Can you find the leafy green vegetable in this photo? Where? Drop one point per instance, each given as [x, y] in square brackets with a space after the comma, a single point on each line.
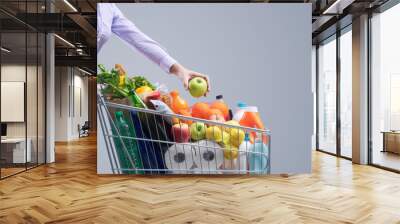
[142, 81]
[110, 80]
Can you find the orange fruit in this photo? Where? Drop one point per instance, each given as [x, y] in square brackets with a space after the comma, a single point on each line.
[187, 114]
[201, 110]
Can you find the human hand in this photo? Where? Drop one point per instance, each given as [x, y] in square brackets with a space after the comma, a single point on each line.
[185, 75]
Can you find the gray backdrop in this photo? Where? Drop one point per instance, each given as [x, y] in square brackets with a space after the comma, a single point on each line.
[256, 53]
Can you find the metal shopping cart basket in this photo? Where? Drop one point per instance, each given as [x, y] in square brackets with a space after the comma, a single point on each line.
[145, 141]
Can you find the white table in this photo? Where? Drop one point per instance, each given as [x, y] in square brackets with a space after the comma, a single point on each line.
[18, 149]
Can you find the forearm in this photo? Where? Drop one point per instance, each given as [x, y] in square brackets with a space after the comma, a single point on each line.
[127, 31]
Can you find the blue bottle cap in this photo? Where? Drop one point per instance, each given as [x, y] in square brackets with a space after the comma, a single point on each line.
[241, 104]
[246, 137]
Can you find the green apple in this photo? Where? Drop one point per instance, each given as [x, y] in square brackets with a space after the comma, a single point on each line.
[197, 87]
[197, 131]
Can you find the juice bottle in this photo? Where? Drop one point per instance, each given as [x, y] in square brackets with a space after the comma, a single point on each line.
[239, 111]
[177, 103]
[251, 118]
[131, 146]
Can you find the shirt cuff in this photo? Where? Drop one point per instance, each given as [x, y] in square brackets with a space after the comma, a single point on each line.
[166, 63]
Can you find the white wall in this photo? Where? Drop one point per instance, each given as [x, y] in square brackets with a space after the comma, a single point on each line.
[70, 83]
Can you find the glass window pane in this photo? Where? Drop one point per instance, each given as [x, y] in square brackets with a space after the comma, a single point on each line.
[386, 89]
[327, 96]
[346, 94]
[41, 99]
[31, 97]
[13, 85]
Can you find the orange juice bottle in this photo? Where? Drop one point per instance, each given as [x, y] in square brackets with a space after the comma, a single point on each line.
[177, 103]
[251, 118]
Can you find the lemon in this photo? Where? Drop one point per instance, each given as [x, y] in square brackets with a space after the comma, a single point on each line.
[231, 152]
[214, 133]
[237, 136]
[143, 89]
[231, 122]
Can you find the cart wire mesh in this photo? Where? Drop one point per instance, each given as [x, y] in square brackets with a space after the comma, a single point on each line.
[145, 141]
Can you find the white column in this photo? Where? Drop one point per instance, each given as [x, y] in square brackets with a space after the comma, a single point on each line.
[360, 90]
[50, 91]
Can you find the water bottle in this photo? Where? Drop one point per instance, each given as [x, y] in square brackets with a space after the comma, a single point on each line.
[258, 156]
[130, 144]
[244, 148]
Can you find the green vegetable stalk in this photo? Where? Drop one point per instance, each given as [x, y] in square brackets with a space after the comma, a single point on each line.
[120, 86]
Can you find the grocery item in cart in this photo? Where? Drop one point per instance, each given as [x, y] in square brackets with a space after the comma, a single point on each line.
[258, 160]
[182, 159]
[163, 108]
[135, 100]
[151, 129]
[178, 104]
[239, 111]
[216, 115]
[252, 119]
[187, 114]
[237, 136]
[181, 132]
[211, 157]
[198, 131]
[201, 110]
[220, 105]
[122, 75]
[132, 152]
[244, 148]
[214, 133]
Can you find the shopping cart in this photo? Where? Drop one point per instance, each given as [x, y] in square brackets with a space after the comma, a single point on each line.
[145, 141]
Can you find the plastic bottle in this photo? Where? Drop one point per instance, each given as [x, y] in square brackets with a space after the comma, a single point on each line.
[251, 118]
[131, 146]
[239, 111]
[244, 148]
[177, 103]
[220, 105]
[258, 159]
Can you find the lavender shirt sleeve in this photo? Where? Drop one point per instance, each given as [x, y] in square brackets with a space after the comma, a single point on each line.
[127, 31]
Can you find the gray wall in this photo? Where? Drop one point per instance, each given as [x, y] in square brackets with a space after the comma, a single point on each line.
[256, 53]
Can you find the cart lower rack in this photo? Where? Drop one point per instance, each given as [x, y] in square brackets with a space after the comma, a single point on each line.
[144, 141]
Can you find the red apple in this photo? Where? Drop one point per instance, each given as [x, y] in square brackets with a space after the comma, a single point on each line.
[181, 132]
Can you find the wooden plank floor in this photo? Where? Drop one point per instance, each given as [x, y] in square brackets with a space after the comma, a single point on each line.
[69, 191]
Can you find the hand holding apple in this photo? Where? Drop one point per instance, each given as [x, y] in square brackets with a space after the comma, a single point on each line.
[186, 75]
[198, 87]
